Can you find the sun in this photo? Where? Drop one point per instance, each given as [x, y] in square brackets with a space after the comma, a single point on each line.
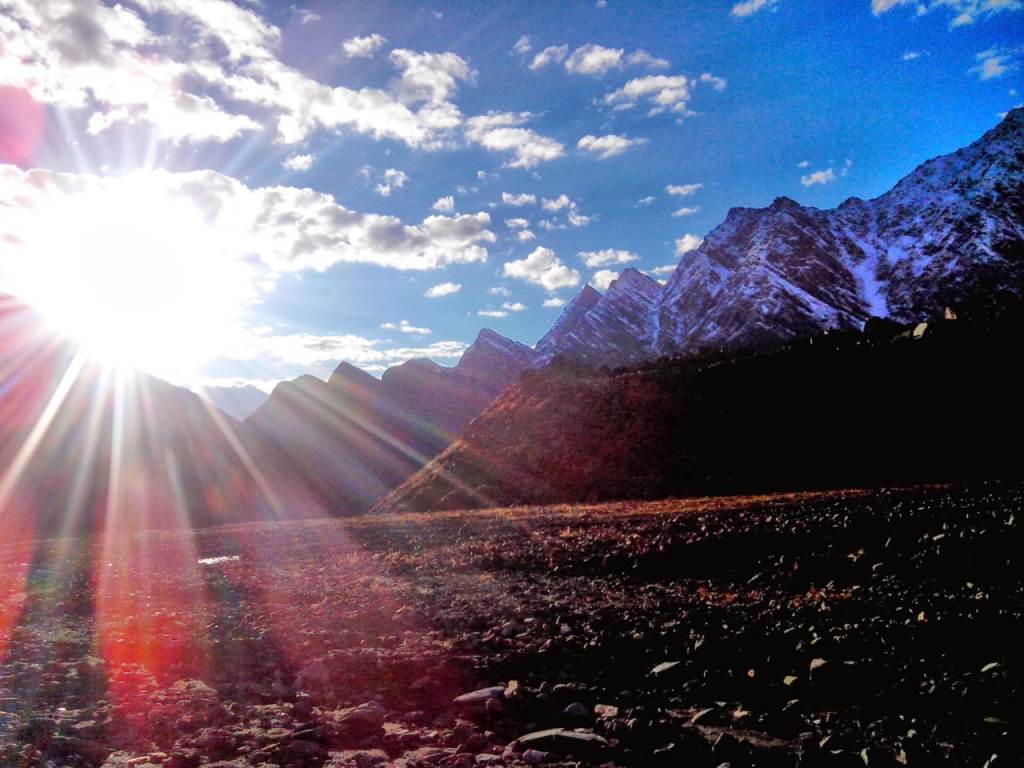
[135, 275]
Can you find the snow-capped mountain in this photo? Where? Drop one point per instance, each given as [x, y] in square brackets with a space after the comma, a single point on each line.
[952, 228]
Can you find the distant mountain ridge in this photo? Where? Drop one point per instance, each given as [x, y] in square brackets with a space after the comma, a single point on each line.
[951, 228]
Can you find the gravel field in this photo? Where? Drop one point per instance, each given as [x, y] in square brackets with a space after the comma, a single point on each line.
[854, 628]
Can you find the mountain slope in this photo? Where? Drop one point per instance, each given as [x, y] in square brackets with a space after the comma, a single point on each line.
[84, 449]
[952, 228]
[845, 409]
[354, 438]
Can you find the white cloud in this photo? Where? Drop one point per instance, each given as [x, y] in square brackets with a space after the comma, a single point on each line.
[525, 236]
[502, 132]
[304, 349]
[542, 267]
[298, 162]
[608, 145]
[664, 92]
[687, 243]
[645, 201]
[685, 211]
[683, 190]
[444, 204]
[306, 16]
[443, 289]
[431, 78]
[393, 179]
[718, 83]
[608, 256]
[283, 229]
[217, 77]
[910, 55]
[825, 176]
[804, 164]
[518, 200]
[749, 7]
[595, 60]
[641, 58]
[517, 223]
[554, 301]
[522, 46]
[513, 306]
[665, 269]
[492, 313]
[499, 290]
[553, 54]
[996, 62]
[602, 279]
[965, 12]
[406, 327]
[363, 47]
[556, 204]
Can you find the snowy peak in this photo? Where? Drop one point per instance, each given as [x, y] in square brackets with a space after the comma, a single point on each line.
[570, 317]
[951, 228]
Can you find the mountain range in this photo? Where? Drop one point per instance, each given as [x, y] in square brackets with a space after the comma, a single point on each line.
[951, 230]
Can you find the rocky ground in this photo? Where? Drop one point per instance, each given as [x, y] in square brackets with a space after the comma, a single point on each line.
[835, 629]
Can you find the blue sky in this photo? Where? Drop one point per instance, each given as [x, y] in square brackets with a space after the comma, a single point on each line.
[388, 109]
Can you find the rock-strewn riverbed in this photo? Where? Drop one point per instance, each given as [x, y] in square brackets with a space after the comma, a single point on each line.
[837, 629]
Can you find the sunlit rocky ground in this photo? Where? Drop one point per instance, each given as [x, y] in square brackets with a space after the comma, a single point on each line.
[840, 629]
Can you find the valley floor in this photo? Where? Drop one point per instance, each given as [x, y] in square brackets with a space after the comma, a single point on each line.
[831, 629]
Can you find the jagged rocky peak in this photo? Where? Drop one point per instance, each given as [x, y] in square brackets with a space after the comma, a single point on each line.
[348, 375]
[570, 317]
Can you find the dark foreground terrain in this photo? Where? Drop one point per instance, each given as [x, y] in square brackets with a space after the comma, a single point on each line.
[834, 629]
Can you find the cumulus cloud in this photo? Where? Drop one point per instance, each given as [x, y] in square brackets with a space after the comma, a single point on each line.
[573, 217]
[750, 7]
[393, 179]
[517, 223]
[523, 46]
[594, 259]
[499, 290]
[304, 349]
[595, 60]
[518, 200]
[683, 190]
[996, 62]
[641, 58]
[525, 236]
[554, 301]
[826, 176]
[543, 267]
[443, 289]
[687, 243]
[513, 306]
[298, 162]
[911, 55]
[664, 92]
[553, 54]
[556, 204]
[282, 229]
[687, 210]
[493, 313]
[503, 132]
[444, 204]
[608, 145]
[602, 279]
[664, 269]
[964, 12]
[718, 83]
[363, 47]
[406, 327]
[212, 78]
[643, 202]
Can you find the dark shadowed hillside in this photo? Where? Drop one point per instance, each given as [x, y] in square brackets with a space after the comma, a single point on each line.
[843, 409]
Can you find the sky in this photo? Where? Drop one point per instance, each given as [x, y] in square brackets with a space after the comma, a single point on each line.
[239, 192]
